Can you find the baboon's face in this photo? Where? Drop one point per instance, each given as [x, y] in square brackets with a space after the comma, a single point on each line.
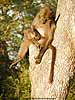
[44, 14]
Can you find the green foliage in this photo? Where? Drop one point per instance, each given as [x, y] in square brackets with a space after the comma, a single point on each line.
[71, 89]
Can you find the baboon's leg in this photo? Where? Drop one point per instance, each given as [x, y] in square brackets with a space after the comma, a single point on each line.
[52, 63]
[22, 52]
[43, 48]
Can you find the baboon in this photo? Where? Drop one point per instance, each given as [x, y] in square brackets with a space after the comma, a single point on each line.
[41, 33]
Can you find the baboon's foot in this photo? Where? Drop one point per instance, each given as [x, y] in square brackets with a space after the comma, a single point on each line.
[38, 60]
[50, 80]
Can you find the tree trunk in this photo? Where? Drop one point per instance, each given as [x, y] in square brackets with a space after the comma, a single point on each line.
[64, 41]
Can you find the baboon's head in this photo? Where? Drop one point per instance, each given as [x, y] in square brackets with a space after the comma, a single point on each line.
[44, 14]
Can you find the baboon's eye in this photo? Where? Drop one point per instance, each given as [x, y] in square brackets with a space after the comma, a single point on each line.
[39, 16]
[50, 23]
[45, 21]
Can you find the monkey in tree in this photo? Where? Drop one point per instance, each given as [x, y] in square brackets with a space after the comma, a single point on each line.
[43, 25]
[31, 34]
[46, 28]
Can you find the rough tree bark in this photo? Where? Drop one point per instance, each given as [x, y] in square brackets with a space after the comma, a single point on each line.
[64, 41]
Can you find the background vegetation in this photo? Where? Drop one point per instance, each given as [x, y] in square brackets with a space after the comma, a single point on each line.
[15, 17]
